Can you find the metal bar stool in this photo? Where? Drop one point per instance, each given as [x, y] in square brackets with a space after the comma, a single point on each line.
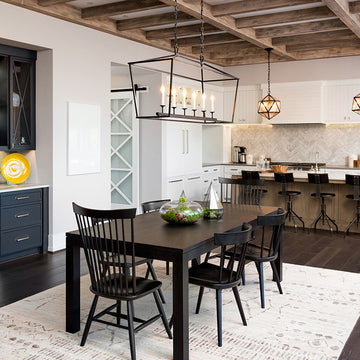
[285, 178]
[353, 180]
[321, 179]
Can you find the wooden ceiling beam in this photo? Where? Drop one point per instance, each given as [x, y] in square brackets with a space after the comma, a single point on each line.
[324, 36]
[341, 9]
[227, 23]
[327, 53]
[237, 46]
[119, 8]
[250, 60]
[240, 7]
[208, 39]
[354, 7]
[285, 17]
[254, 51]
[154, 20]
[51, 2]
[190, 30]
[302, 28]
[354, 43]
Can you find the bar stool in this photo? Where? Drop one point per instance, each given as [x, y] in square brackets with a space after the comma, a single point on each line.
[321, 179]
[285, 178]
[353, 180]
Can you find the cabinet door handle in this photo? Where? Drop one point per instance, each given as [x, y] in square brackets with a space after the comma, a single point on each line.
[22, 197]
[194, 178]
[187, 141]
[22, 238]
[215, 179]
[215, 169]
[22, 215]
[183, 141]
[206, 170]
[174, 181]
[206, 180]
[233, 169]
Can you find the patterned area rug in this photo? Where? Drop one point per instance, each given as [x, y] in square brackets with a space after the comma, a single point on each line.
[310, 321]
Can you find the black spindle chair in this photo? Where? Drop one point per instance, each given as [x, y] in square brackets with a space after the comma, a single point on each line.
[266, 249]
[319, 179]
[150, 206]
[241, 191]
[109, 245]
[252, 175]
[221, 277]
[355, 181]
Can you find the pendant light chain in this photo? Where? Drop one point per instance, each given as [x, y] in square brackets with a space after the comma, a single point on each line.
[268, 50]
[176, 46]
[202, 33]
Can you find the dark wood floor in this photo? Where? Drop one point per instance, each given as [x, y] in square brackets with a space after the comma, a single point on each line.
[30, 275]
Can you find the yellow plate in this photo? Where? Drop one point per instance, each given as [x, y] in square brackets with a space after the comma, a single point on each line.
[15, 168]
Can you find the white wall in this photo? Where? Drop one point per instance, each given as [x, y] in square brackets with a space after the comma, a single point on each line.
[310, 70]
[74, 65]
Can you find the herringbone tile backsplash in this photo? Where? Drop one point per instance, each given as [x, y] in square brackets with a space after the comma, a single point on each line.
[299, 143]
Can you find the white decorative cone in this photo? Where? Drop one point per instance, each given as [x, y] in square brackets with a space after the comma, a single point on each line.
[213, 208]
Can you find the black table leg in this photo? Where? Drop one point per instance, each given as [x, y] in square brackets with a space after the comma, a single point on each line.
[72, 286]
[279, 261]
[181, 309]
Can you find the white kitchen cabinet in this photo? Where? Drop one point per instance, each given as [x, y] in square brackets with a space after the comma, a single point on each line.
[246, 105]
[174, 188]
[193, 187]
[210, 175]
[182, 149]
[301, 102]
[338, 98]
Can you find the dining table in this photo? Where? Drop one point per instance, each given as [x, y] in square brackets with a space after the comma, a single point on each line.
[179, 244]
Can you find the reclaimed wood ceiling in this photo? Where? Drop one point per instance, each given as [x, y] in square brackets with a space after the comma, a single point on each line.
[236, 32]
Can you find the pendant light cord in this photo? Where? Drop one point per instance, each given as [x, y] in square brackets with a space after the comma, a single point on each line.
[268, 50]
[176, 46]
[202, 33]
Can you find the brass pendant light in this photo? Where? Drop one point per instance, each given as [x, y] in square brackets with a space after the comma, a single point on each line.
[269, 106]
[356, 104]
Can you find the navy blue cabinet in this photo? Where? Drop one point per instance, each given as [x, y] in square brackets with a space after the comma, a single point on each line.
[23, 222]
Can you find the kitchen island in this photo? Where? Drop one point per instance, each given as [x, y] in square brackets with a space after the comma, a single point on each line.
[339, 208]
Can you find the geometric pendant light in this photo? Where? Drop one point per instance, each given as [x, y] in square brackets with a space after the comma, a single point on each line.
[269, 106]
[356, 104]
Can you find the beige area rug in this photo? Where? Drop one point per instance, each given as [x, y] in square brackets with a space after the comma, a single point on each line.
[310, 321]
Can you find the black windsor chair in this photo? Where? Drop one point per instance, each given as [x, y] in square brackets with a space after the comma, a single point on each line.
[150, 206]
[221, 277]
[252, 175]
[266, 250]
[108, 254]
[355, 181]
[241, 191]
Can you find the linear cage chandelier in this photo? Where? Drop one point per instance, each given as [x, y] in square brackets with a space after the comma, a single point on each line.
[269, 107]
[182, 89]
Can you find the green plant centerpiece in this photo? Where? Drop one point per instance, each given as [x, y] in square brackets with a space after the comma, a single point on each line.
[181, 211]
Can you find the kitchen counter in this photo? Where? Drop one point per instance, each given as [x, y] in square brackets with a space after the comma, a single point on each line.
[8, 187]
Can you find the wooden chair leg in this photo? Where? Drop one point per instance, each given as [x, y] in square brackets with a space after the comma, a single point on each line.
[153, 275]
[259, 267]
[118, 312]
[89, 320]
[276, 275]
[219, 316]
[238, 302]
[130, 312]
[162, 313]
[201, 292]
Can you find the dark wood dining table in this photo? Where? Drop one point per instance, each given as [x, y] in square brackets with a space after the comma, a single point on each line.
[178, 244]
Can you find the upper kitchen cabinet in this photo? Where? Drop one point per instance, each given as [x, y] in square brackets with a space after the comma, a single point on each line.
[301, 102]
[17, 98]
[246, 105]
[338, 97]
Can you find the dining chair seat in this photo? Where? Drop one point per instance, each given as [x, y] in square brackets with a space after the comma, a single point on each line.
[142, 287]
[209, 273]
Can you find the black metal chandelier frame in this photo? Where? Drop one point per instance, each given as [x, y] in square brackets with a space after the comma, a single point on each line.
[168, 111]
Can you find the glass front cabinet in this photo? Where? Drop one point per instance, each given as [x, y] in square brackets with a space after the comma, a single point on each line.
[17, 98]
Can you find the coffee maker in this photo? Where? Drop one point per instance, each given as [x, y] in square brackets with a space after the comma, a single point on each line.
[242, 155]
